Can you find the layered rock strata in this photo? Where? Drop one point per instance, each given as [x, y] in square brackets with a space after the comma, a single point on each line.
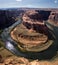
[32, 34]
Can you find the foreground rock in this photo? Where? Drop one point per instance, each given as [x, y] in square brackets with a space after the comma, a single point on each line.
[24, 61]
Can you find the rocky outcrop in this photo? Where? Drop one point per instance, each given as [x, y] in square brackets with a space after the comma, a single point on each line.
[32, 35]
[37, 14]
[28, 40]
[24, 61]
[53, 18]
[33, 19]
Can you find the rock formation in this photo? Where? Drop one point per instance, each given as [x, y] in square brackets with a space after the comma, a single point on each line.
[32, 34]
[24, 61]
[32, 20]
[53, 18]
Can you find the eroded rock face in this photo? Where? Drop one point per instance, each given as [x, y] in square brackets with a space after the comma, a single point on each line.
[36, 15]
[15, 61]
[53, 18]
[24, 61]
[32, 33]
[32, 19]
[28, 39]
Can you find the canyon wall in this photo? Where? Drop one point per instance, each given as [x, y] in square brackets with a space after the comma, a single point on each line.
[7, 17]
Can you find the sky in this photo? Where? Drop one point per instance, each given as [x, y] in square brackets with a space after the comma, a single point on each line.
[29, 3]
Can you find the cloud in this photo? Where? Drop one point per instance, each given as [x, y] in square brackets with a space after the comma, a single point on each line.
[18, 0]
[55, 1]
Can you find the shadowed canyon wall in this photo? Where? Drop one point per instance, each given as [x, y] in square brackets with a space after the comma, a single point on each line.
[7, 17]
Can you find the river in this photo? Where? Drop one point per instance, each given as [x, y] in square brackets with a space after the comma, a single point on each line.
[11, 45]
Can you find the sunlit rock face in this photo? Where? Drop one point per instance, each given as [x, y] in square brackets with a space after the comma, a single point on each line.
[52, 23]
[23, 61]
[35, 20]
[53, 18]
[37, 14]
[32, 34]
